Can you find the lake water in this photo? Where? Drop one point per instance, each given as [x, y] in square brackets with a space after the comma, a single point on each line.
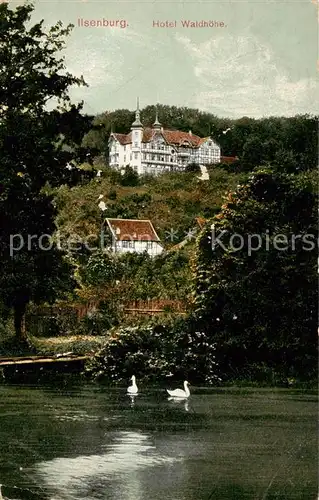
[92, 442]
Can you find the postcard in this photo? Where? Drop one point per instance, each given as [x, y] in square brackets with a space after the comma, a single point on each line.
[158, 249]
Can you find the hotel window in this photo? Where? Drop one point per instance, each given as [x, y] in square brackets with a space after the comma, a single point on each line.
[135, 156]
[124, 157]
[149, 245]
[135, 144]
[125, 244]
[124, 148]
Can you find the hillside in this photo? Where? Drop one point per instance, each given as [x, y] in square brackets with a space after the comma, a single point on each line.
[171, 201]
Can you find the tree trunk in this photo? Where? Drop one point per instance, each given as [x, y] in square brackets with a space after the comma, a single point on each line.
[19, 322]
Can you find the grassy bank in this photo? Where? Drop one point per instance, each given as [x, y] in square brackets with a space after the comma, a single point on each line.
[80, 344]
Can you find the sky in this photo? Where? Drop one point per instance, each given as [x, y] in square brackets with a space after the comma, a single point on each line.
[261, 62]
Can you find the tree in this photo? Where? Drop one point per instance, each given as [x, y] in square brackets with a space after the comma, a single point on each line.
[256, 275]
[130, 177]
[35, 146]
[192, 167]
[252, 155]
[101, 269]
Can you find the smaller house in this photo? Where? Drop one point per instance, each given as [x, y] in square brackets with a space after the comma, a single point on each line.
[132, 235]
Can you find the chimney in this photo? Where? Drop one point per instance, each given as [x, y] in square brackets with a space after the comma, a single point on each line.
[190, 132]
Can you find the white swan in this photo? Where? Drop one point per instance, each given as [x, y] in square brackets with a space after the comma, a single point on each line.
[132, 389]
[180, 393]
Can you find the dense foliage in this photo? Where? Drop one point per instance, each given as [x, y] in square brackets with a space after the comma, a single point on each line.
[156, 351]
[260, 305]
[171, 201]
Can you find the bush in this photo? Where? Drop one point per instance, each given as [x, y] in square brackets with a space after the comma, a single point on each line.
[155, 351]
[192, 167]
[101, 269]
[101, 320]
[130, 177]
[4, 330]
[112, 194]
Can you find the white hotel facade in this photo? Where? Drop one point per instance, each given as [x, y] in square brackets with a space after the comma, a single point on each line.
[154, 150]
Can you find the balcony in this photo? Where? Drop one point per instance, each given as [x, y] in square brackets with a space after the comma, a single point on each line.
[166, 151]
[160, 162]
[184, 153]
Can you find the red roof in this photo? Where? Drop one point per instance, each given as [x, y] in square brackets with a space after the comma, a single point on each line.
[123, 138]
[177, 137]
[173, 137]
[132, 230]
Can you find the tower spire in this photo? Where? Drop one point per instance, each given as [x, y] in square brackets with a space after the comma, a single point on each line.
[157, 125]
[137, 122]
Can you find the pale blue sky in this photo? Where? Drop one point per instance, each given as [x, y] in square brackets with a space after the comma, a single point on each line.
[264, 62]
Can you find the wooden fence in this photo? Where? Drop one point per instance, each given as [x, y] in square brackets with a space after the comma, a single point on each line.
[153, 307]
[77, 311]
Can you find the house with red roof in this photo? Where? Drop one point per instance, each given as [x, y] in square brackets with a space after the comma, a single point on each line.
[154, 150]
[132, 235]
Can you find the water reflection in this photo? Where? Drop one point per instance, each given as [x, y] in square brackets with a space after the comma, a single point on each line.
[75, 416]
[117, 468]
[132, 399]
[179, 401]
